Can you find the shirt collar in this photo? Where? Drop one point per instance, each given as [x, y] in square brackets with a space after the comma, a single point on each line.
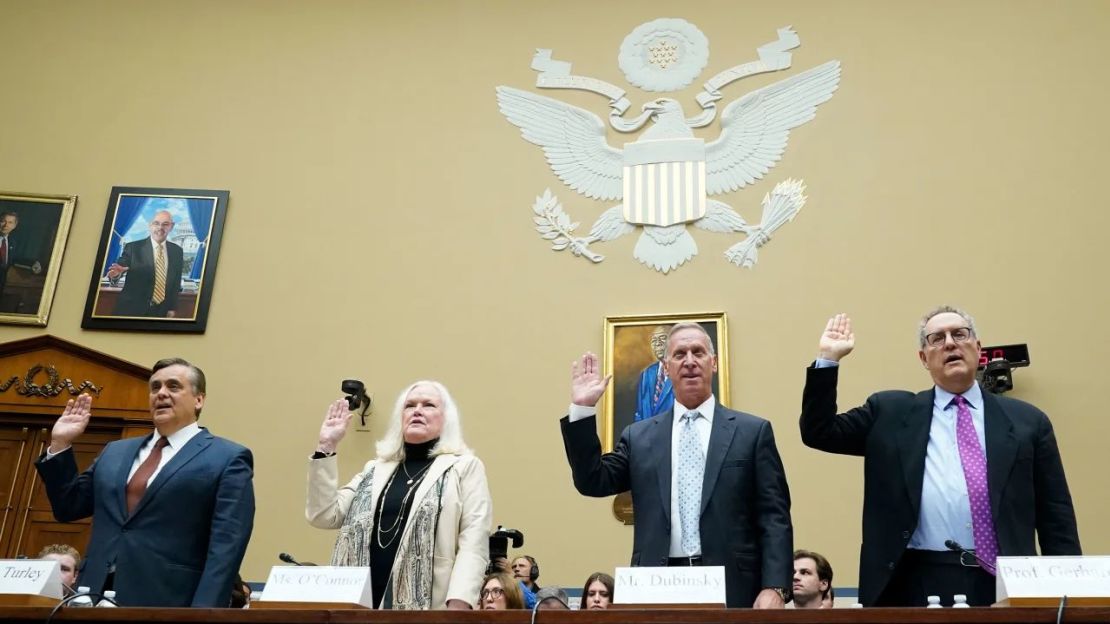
[943, 398]
[705, 409]
[178, 438]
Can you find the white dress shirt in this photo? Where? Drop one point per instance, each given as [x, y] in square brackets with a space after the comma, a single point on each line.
[174, 443]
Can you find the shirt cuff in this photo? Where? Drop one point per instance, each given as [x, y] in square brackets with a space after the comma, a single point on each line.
[580, 412]
[322, 455]
[50, 455]
[820, 363]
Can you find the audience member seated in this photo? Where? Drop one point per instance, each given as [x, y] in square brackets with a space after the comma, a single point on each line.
[68, 558]
[812, 580]
[552, 598]
[501, 591]
[526, 570]
[597, 593]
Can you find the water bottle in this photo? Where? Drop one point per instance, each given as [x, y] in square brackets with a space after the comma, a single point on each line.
[959, 601]
[934, 602]
[109, 598]
[82, 598]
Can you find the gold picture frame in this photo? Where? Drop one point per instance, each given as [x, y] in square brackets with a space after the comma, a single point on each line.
[33, 243]
[628, 356]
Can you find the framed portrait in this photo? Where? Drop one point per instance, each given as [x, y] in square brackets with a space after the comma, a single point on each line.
[156, 263]
[33, 233]
[634, 351]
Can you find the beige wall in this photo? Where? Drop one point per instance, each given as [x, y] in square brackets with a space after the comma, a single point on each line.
[380, 228]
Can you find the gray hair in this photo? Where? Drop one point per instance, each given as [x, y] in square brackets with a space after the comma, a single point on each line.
[392, 446]
[690, 325]
[943, 309]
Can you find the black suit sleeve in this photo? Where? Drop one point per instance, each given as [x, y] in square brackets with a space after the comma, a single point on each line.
[70, 494]
[595, 474]
[773, 512]
[175, 270]
[232, 523]
[1056, 527]
[824, 429]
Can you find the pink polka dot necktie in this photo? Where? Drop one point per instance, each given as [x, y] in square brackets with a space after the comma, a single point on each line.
[975, 474]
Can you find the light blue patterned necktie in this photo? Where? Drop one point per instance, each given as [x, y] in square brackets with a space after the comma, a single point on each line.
[691, 473]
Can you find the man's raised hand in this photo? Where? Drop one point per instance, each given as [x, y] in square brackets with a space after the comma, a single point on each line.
[837, 340]
[71, 424]
[586, 384]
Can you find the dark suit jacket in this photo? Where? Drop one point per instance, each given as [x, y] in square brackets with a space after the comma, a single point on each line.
[183, 544]
[138, 287]
[1025, 477]
[745, 509]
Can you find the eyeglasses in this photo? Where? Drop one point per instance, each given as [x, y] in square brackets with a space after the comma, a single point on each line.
[492, 592]
[960, 334]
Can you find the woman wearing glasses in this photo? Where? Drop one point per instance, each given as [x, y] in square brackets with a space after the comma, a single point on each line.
[501, 591]
[418, 514]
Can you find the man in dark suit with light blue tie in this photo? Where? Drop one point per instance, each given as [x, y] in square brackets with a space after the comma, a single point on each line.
[172, 511]
[708, 486]
[946, 470]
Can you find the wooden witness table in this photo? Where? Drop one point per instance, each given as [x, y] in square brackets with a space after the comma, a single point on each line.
[1026, 615]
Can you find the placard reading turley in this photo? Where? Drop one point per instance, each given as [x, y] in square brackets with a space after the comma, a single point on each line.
[31, 577]
[678, 585]
[332, 584]
[1052, 577]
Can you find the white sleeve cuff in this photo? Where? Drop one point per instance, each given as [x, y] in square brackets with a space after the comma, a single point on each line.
[578, 412]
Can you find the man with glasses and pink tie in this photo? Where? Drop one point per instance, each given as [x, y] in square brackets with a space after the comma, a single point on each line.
[953, 476]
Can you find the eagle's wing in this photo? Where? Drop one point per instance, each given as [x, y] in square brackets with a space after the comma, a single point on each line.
[754, 128]
[572, 138]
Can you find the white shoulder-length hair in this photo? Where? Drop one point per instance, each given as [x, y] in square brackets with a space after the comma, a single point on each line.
[392, 446]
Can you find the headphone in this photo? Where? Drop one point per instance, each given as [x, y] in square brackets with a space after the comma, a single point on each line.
[534, 573]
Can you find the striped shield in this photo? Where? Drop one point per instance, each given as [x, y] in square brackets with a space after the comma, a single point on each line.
[664, 181]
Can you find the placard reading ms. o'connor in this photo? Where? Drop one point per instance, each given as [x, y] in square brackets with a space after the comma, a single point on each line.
[649, 585]
[332, 584]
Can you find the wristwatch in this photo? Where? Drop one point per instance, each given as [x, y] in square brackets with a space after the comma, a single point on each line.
[784, 594]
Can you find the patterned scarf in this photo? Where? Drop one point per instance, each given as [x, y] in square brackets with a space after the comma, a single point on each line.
[411, 586]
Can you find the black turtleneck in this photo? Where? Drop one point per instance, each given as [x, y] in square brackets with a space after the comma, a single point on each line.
[392, 504]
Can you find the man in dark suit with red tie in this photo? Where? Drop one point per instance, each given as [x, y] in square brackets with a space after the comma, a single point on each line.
[953, 476]
[172, 511]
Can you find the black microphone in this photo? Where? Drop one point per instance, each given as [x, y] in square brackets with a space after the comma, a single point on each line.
[287, 558]
[954, 545]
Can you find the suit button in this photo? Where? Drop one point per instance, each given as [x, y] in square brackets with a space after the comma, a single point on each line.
[663, 561]
[905, 535]
[890, 565]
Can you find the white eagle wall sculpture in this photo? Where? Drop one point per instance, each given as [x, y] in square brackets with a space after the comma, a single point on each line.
[664, 177]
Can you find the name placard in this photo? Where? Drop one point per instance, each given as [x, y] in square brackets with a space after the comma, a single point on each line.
[31, 577]
[1052, 577]
[678, 585]
[334, 584]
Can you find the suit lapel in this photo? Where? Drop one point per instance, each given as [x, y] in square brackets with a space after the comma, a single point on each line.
[192, 448]
[913, 444]
[1001, 448]
[720, 439]
[129, 449]
[660, 443]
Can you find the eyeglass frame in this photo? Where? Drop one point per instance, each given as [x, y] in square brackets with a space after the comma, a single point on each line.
[496, 592]
[938, 338]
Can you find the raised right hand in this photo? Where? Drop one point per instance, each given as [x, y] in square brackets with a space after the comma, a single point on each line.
[336, 421]
[586, 384]
[837, 340]
[71, 423]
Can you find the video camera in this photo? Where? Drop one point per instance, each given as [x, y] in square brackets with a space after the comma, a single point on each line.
[996, 366]
[499, 546]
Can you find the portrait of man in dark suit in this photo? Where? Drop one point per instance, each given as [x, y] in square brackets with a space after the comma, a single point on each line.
[153, 269]
[14, 252]
[172, 511]
[953, 476]
[708, 486]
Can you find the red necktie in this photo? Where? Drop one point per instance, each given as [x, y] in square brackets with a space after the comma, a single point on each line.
[136, 487]
[4, 251]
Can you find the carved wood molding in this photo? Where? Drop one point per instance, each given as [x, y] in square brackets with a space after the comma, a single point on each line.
[54, 385]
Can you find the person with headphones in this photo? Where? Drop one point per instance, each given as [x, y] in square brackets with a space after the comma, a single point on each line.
[526, 570]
